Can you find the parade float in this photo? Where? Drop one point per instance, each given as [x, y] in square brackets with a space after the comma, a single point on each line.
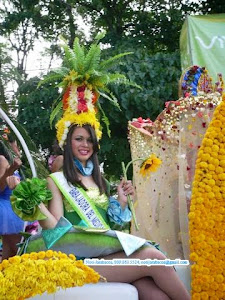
[165, 196]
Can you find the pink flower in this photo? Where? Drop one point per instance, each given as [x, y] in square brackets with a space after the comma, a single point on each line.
[82, 106]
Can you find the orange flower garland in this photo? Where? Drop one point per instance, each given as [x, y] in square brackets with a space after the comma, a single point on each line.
[207, 213]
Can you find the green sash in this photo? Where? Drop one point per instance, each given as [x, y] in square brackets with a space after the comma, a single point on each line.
[80, 202]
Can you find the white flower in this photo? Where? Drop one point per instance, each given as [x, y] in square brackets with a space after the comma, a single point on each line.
[67, 123]
[88, 95]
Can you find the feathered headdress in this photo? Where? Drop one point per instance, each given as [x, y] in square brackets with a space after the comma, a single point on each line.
[83, 78]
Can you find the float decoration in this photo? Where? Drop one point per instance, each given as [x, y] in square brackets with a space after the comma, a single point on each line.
[27, 196]
[163, 201]
[25, 276]
[207, 213]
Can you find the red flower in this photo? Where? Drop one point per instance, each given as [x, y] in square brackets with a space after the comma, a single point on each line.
[81, 88]
[82, 106]
[81, 95]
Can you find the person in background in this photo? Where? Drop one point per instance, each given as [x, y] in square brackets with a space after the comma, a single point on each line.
[10, 224]
[55, 160]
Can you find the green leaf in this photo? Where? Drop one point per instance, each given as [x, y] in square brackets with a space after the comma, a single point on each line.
[106, 64]
[52, 78]
[80, 56]
[104, 119]
[92, 59]
[56, 111]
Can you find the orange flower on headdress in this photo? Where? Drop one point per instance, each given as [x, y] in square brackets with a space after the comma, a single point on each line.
[151, 164]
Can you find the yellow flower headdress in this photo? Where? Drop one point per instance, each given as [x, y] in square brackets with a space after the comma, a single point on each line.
[83, 78]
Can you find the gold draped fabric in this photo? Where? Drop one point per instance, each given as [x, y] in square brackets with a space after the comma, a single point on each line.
[163, 199]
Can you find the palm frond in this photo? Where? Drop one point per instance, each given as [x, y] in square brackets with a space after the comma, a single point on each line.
[63, 71]
[126, 81]
[105, 119]
[70, 58]
[109, 97]
[116, 77]
[92, 58]
[56, 112]
[29, 142]
[98, 79]
[106, 64]
[80, 55]
[51, 78]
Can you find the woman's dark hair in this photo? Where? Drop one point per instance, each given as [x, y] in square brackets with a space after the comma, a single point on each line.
[69, 169]
[5, 148]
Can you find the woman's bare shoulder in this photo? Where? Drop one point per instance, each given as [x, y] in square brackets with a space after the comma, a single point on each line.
[3, 161]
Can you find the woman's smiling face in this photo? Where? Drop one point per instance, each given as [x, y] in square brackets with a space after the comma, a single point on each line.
[82, 145]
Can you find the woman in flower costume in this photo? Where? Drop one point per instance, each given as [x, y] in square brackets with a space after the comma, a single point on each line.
[80, 196]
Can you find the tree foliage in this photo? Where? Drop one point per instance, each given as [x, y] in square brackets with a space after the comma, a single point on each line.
[158, 74]
[149, 28]
[34, 111]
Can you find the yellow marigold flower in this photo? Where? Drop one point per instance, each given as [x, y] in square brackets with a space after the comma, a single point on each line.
[196, 296]
[215, 161]
[207, 142]
[219, 170]
[221, 176]
[41, 254]
[151, 164]
[193, 256]
[222, 163]
[211, 167]
[33, 255]
[49, 253]
[215, 148]
[5, 263]
[207, 150]
[203, 165]
[62, 256]
[25, 256]
[216, 123]
[208, 189]
[15, 259]
[219, 278]
[71, 256]
[191, 215]
[211, 195]
[205, 157]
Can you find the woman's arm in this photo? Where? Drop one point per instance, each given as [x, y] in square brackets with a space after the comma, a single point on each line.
[55, 208]
[7, 170]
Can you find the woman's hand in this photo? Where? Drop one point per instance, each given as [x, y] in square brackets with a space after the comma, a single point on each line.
[12, 181]
[17, 163]
[124, 189]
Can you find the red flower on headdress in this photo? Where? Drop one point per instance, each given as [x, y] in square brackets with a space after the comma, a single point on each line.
[81, 88]
[81, 95]
[82, 106]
